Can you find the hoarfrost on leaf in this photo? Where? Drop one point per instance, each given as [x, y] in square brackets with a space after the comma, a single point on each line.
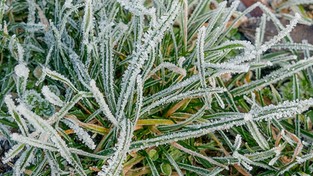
[248, 117]
[82, 134]
[21, 70]
[51, 97]
[103, 105]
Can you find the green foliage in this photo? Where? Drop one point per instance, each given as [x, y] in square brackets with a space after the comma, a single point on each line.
[38, 104]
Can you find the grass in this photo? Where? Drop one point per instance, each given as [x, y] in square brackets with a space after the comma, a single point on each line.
[152, 88]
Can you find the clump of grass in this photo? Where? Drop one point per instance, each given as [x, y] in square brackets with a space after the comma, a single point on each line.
[151, 88]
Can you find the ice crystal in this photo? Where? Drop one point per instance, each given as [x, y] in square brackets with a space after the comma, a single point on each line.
[15, 150]
[51, 97]
[121, 149]
[21, 70]
[13, 112]
[136, 7]
[68, 4]
[278, 112]
[169, 66]
[103, 105]
[82, 134]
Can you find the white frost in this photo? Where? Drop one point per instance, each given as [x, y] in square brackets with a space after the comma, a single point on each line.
[51, 97]
[81, 134]
[247, 117]
[21, 70]
[100, 100]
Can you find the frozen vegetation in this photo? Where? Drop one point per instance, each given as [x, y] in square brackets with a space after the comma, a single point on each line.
[155, 87]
